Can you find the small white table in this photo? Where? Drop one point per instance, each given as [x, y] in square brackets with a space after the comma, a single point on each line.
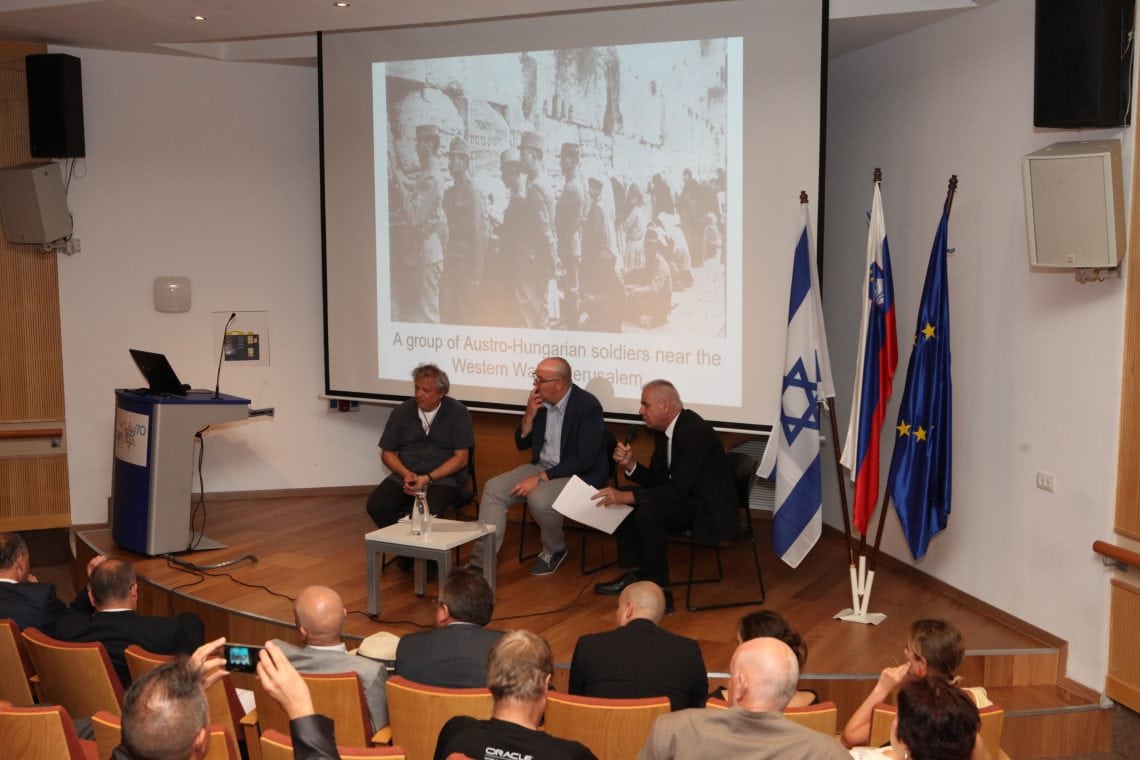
[437, 546]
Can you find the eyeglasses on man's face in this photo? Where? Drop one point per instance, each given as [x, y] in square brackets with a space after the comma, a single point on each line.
[540, 380]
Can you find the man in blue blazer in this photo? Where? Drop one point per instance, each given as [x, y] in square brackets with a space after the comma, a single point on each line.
[454, 654]
[563, 428]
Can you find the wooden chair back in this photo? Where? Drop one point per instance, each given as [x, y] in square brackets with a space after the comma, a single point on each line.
[278, 746]
[43, 732]
[615, 729]
[77, 676]
[992, 722]
[15, 667]
[109, 733]
[417, 712]
[820, 717]
[339, 696]
[225, 707]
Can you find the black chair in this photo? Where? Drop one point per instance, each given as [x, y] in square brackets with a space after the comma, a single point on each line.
[611, 444]
[744, 473]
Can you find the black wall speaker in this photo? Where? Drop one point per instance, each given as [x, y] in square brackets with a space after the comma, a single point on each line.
[1081, 63]
[55, 106]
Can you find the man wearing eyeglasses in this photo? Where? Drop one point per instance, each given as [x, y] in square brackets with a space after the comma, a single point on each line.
[562, 427]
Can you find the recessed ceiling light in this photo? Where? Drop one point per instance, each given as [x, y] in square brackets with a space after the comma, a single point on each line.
[342, 5]
[199, 18]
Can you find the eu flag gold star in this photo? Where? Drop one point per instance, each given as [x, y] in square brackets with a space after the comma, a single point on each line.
[903, 428]
[928, 331]
[920, 434]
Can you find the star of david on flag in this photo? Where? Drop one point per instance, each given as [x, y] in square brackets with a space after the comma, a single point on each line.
[792, 454]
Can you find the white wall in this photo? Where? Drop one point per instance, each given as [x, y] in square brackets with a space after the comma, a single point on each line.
[1036, 356]
[209, 170]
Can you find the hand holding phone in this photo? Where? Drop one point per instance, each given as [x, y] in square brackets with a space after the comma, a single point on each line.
[241, 658]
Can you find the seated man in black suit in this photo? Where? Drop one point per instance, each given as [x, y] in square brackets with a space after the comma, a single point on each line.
[454, 655]
[688, 484]
[519, 669]
[23, 598]
[637, 659]
[113, 592]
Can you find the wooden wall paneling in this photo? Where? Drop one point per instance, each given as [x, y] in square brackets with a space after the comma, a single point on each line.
[1123, 680]
[33, 483]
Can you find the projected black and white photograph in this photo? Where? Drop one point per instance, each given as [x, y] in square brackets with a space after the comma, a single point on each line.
[575, 190]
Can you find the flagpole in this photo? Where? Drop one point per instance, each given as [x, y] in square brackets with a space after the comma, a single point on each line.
[951, 188]
[838, 466]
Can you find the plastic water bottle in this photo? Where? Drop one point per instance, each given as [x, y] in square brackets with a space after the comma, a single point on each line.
[420, 515]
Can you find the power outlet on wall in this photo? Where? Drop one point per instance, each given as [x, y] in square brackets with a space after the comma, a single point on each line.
[1045, 481]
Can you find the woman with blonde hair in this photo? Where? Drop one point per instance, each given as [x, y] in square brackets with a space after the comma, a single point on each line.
[934, 649]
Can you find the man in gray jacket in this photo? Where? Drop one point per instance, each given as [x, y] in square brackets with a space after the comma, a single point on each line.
[320, 615]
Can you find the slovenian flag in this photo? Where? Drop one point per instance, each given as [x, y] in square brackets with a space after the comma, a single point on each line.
[874, 370]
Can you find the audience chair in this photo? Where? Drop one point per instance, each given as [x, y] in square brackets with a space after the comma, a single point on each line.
[278, 746]
[417, 712]
[340, 696]
[611, 444]
[744, 473]
[225, 707]
[77, 676]
[15, 667]
[43, 732]
[822, 717]
[615, 729]
[109, 734]
[992, 721]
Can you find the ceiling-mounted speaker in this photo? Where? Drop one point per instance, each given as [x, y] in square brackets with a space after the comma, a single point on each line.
[55, 106]
[1081, 63]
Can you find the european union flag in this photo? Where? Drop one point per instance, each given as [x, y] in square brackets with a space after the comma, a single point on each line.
[919, 479]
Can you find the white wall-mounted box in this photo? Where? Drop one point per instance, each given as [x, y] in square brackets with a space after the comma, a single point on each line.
[1074, 205]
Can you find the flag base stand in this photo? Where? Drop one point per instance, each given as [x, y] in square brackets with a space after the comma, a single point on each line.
[853, 616]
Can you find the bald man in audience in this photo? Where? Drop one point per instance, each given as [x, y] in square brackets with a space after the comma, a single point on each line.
[112, 619]
[764, 675]
[320, 614]
[639, 659]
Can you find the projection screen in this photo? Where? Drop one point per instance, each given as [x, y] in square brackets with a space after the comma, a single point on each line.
[619, 188]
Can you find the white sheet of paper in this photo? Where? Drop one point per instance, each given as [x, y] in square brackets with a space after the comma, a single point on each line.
[575, 502]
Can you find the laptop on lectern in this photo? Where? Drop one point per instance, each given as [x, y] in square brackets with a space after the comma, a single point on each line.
[158, 373]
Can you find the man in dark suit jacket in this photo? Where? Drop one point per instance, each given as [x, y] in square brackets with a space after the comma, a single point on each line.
[112, 620]
[23, 598]
[454, 655]
[638, 659]
[688, 484]
[563, 428]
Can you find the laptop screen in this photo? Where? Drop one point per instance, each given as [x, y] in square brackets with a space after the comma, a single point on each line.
[158, 373]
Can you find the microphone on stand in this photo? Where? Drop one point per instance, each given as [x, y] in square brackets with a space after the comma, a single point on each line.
[222, 355]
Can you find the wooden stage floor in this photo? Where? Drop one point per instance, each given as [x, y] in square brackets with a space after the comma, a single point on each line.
[301, 541]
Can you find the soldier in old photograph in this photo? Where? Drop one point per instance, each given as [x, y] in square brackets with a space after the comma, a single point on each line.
[465, 208]
[536, 236]
[569, 214]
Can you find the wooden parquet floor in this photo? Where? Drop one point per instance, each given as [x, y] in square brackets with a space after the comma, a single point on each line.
[301, 541]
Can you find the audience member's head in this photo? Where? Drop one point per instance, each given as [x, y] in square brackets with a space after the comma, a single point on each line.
[764, 673]
[165, 714]
[935, 648]
[465, 597]
[936, 721]
[13, 556]
[113, 585]
[762, 623]
[519, 668]
[641, 600]
[320, 615]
